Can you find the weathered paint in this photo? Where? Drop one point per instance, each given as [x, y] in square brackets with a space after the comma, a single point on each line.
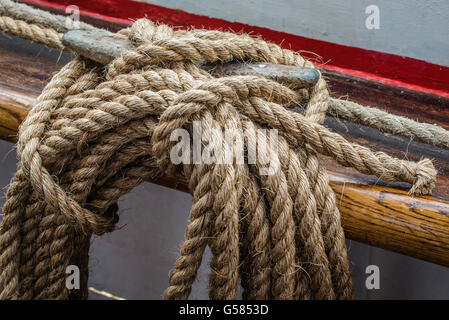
[413, 28]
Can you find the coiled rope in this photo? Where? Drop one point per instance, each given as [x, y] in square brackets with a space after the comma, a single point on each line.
[95, 134]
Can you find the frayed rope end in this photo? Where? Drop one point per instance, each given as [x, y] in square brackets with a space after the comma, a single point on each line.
[425, 178]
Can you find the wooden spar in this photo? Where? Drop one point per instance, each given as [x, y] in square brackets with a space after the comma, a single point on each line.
[383, 217]
[371, 213]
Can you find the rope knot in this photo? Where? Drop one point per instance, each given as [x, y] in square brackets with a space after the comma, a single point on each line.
[144, 30]
[93, 137]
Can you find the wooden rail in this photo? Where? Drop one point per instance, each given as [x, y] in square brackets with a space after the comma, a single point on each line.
[373, 212]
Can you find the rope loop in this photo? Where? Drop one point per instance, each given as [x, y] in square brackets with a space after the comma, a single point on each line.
[270, 220]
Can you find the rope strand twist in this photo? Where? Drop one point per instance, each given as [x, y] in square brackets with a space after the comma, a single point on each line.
[95, 134]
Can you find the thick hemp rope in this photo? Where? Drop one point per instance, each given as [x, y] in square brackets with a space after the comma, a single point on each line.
[40, 26]
[97, 133]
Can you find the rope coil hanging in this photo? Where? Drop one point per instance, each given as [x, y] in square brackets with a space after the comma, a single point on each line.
[95, 134]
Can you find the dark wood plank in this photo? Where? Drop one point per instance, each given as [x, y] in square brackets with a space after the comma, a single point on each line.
[399, 147]
[421, 106]
[25, 69]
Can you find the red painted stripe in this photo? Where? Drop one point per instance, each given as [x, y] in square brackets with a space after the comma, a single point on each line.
[387, 68]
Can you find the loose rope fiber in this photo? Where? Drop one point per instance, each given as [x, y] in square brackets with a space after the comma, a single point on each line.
[96, 133]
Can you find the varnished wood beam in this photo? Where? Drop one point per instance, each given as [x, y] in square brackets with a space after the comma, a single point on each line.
[383, 217]
[372, 212]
